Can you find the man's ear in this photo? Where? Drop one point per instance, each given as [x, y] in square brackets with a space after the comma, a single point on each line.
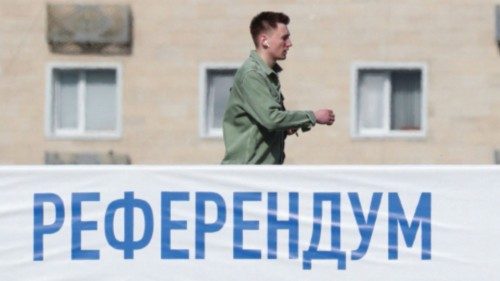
[263, 41]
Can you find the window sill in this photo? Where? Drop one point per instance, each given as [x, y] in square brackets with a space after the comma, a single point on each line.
[414, 135]
[212, 136]
[86, 137]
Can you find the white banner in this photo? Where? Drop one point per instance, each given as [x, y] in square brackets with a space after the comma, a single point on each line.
[250, 223]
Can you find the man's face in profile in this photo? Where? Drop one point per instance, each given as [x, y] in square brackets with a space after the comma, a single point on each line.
[279, 42]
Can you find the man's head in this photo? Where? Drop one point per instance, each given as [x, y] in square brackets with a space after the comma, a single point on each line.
[270, 34]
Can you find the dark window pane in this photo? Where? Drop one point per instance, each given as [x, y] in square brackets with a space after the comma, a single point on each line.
[406, 100]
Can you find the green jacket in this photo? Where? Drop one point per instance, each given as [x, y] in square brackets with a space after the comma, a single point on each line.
[255, 121]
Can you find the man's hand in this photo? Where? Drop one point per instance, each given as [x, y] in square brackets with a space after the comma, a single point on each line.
[324, 116]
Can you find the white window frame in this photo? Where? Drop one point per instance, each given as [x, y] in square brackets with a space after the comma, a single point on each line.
[386, 131]
[203, 118]
[80, 133]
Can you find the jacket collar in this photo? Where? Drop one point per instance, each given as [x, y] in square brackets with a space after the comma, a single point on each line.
[263, 65]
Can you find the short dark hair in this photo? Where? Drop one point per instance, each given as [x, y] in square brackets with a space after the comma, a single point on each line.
[266, 21]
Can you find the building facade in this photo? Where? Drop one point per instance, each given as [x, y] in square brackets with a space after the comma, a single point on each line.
[145, 82]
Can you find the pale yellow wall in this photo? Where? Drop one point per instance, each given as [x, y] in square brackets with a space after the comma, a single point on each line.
[455, 39]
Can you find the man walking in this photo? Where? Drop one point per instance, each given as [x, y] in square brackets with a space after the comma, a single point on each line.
[256, 123]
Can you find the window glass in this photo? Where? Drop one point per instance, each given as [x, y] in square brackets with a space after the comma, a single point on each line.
[220, 82]
[371, 99]
[66, 99]
[100, 100]
[406, 100]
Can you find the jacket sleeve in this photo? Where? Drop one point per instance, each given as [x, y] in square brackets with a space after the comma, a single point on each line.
[260, 104]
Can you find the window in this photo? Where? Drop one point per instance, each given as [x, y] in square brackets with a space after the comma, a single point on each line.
[216, 81]
[83, 101]
[389, 100]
